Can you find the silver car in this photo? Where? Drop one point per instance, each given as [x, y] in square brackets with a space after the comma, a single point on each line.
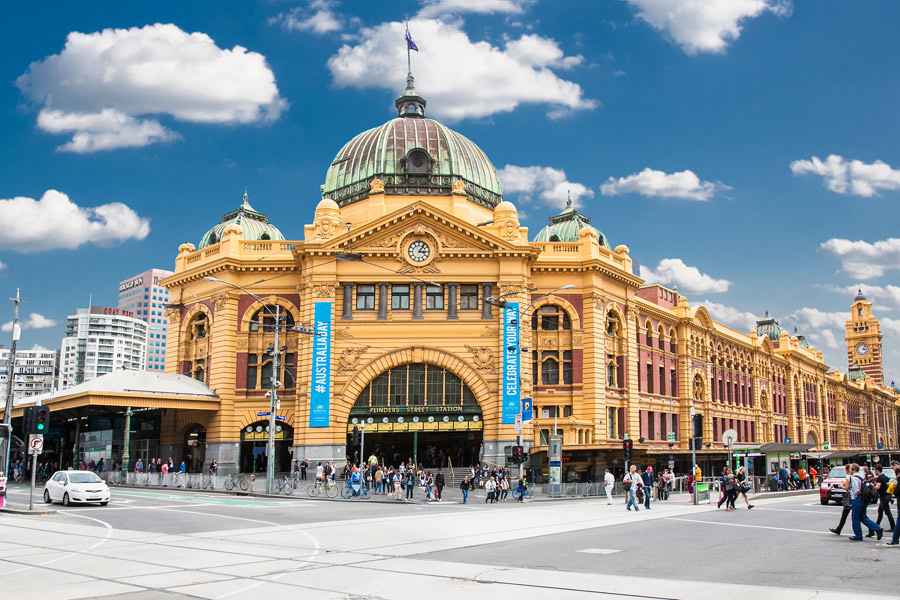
[76, 486]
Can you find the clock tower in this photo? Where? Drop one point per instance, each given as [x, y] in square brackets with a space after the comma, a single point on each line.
[864, 339]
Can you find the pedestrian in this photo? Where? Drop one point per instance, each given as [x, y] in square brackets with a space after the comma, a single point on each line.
[858, 508]
[139, 465]
[668, 477]
[397, 486]
[490, 488]
[631, 483]
[304, 465]
[895, 539]
[439, 483]
[410, 485]
[379, 478]
[464, 488]
[845, 503]
[730, 489]
[609, 483]
[741, 478]
[647, 478]
[884, 500]
[813, 475]
[783, 479]
[429, 483]
[504, 487]
[164, 472]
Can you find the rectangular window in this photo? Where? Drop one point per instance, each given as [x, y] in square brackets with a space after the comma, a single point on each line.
[550, 367]
[567, 367]
[398, 386]
[380, 390]
[567, 411]
[434, 386]
[434, 297]
[416, 384]
[400, 297]
[649, 378]
[453, 390]
[651, 425]
[534, 367]
[611, 423]
[365, 297]
[662, 380]
[468, 297]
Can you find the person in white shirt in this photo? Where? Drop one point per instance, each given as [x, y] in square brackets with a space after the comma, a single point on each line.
[320, 472]
[609, 481]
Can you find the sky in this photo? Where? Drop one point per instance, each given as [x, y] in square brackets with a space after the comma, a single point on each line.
[744, 150]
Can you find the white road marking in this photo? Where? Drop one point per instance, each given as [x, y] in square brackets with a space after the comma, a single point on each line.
[109, 532]
[814, 512]
[598, 551]
[750, 526]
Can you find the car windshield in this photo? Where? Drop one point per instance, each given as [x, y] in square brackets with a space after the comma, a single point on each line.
[86, 477]
[837, 473]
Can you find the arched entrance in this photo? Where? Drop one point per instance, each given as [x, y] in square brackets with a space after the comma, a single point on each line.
[420, 411]
[254, 441]
[194, 450]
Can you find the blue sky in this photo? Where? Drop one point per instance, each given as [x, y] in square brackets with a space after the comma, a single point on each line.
[745, 150]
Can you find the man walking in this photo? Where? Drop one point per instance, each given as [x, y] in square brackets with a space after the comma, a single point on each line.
[439, 485]
[884, 501]
[647, 478]
[858, 508]
[608, 483]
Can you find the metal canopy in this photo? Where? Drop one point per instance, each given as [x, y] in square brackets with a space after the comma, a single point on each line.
[793, 448]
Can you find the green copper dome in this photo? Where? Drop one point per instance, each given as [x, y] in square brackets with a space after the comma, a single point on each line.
[856, 373]
[411, 155]
[256, 225]
[769, 327]
[565, 226]
[801, 339]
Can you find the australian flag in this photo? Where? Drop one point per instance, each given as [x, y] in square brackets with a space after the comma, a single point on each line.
[410, 44]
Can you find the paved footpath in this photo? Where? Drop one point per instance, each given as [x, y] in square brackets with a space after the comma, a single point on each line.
[252, 549]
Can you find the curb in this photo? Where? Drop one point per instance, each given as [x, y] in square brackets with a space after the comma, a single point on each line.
[21, 510]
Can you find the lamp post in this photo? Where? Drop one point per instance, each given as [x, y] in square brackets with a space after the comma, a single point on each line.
[689, 395]
[273, 392]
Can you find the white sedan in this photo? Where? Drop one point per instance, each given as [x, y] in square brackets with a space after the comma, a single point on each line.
[76, 486]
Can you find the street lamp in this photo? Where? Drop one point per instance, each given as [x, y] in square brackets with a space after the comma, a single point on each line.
[273, 393]
[690, 387]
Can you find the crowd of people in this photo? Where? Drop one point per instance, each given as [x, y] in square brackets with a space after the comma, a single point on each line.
[857, 498]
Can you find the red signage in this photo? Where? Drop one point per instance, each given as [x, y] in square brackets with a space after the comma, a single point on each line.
[107, 310]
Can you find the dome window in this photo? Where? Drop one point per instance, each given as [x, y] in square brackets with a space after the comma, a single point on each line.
[265, 236]
[417, 161]
[213, 239]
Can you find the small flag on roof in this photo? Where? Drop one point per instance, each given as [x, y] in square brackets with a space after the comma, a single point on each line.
[410, 44]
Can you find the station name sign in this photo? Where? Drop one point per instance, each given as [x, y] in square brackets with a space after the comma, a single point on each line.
[130, 284]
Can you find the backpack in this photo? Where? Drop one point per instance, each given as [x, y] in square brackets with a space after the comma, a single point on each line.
[867, 492]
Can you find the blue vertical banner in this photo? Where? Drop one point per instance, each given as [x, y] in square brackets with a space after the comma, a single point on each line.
[511, 391]
[527, 410]
[320, 380]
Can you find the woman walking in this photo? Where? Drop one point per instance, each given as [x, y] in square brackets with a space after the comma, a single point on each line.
[730, 489]
[464, 488]
[741, 488]
[491, 487]
[631, 483]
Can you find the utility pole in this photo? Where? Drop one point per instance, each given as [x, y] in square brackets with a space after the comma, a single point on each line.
[273, 406]
[10, 368]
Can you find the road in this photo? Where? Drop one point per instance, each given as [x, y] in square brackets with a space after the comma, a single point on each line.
[150, 544]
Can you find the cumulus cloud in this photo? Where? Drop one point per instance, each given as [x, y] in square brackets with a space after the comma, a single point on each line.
[890, 326]
[863, 260]
[548, 185]
[34, 321]
[852, 177]
[318, 17]
[54, 221]
[102, 86]
[437, 8]
[494, 80]
[887, 296]
[39, 348]
[821, 328]
[2, 266]
[688, 279]
[740, 320]
[683, 184]
[704, 25]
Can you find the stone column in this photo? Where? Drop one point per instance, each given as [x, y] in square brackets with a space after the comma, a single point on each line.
[485, 305]
[452, 300]
[417, 300]
[348, 302]
[382, 301]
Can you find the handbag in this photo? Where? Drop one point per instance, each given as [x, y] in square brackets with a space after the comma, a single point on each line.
[626, 485]
[745, 487]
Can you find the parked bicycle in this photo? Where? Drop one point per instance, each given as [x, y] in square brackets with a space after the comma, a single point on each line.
[327, 487]
[284, 485]
[241, 482]
[527, 495]
[355, 490]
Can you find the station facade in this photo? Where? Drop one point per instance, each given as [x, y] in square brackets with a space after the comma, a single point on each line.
[402, 276]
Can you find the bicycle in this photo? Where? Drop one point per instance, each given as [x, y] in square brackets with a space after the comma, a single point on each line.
[283, 486]
[348, 491]
[241, 482]
[328, 487]
[526, 496]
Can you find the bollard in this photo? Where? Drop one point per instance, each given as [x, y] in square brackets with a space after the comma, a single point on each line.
[252, 482]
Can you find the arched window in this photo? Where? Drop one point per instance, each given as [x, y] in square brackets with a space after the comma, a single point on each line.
[661, 334]
[612, 324]
[265, 236]
[611, 374]
[416, 384]
[199, 327]
[649, 334]
[198, 369]
[266, 318]
[551, 316]
[549, 367]
[213, 239]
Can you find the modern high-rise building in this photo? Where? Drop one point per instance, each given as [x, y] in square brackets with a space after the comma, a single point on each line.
[33, 373]
[101, 340]
[143, 296]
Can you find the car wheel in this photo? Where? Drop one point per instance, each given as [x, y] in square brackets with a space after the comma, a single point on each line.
[47, 499]
[66, 500]
[824, 501]
[104, 503]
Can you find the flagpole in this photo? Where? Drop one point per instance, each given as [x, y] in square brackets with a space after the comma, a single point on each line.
[408, 60]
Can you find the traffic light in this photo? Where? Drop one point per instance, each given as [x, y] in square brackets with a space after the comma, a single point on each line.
[518, 454]
[354, 437]
[628, 448]
[698, 426]
[28, 417]
[41, 419]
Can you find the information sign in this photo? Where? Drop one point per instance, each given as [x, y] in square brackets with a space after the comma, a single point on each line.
[701, 493]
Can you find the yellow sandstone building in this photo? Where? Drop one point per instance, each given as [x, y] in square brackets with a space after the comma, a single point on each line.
[403, 274]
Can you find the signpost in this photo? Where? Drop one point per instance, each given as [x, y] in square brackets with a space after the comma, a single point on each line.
[671, 436]
[555, 456]
[35, 447]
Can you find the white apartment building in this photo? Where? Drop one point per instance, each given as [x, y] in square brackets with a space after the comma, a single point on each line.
[101, 340]
[143, 296]
[33, 373]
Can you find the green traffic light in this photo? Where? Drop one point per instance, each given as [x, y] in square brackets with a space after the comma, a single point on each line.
[40, 426]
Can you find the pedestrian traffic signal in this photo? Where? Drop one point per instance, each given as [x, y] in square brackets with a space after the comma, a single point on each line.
[518, 454]
[28, 416]
[354, 437]
[41, 419]
[628, 448]
[698, 426]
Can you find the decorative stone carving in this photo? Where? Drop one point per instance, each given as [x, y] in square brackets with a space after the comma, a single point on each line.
[599, 300]
[327, 220]
[376, 186]
[549, 343]
[243, 344]
[491, 332]
[323, 290]
[431, 267]
[349, 360]
[577, 338]
[458, 188]
[174, 316]
[220, 301]
[342, 332]
[483, 357]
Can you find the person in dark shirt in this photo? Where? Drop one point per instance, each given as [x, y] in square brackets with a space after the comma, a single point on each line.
[884, 501]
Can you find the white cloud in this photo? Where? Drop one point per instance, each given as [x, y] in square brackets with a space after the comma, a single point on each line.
[742, 321]
[887, 296]
[2, 266]
[34, 321]
[39, 348]
[54, 221]
[103, 85]
[822, 329]
[683, 184]
[319, 17]
[890, 326]
[688, 279]
[704, 25]
[437, 8]
[549, 185]
[863, 260]
[493, 80]
[852, 177]
[824, 338]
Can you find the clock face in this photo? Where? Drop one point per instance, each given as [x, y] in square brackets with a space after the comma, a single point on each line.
[862, 349]
[418, 251]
